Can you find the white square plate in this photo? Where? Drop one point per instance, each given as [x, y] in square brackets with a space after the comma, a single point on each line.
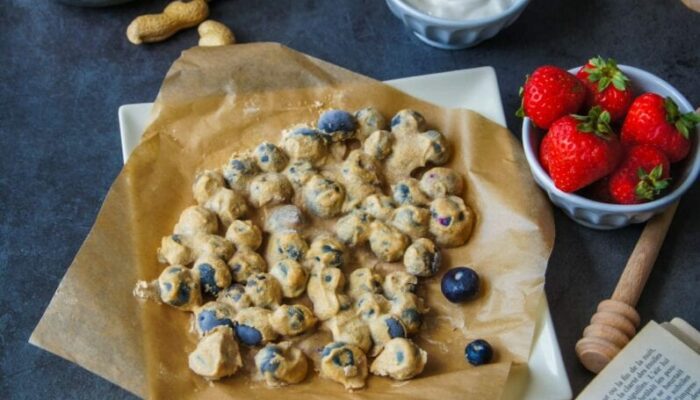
[476, 89]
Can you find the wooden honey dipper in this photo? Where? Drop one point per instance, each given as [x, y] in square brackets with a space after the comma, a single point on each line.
[616, 320]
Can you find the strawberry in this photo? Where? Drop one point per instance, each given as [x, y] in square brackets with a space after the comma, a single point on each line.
[657, 121]
[642, 176]
[579, 150]
[549, 94]
[607, 86]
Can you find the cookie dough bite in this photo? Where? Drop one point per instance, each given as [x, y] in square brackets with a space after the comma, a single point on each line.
[299, 172]
[252, 326]
[345, 364]
[325, 285]
[411, 220]
[451, 221]
[359, 167]
[368, 120]
[239, 170]
[439, 151]
[323, 197]
[211, 315]
[387, 242]
[216, 355]
[235, 296]
[243, 233]
[407, 121]
[326, 251]
[407, 191]
[270, 189]
[204, 243]
[378, 206]
[401, 359]
[212, 273]
[292, 320]
[422, 258]
[369, 305]
[291, 276]
[174, 250]
[288, 245]
[304, 143]
[398, 282]
[379, 144]
[281, 364]
[228, 205]
[338, 125]
[383, 328]
[196, 219]
[264, 291]
[178, 288]
[356, 193]
[441, 182]
[349, 328]
[206, 183]
[409, 308]
[364, 280]
[353, 228]
[246, 263]
[284, 218]
[270, 158]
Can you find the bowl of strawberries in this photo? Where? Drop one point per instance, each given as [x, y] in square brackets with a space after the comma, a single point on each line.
[611, 144]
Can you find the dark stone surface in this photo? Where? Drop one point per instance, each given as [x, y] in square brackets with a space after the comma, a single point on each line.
[66, 70]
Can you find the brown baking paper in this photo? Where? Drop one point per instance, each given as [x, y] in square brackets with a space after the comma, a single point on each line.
[218, 100]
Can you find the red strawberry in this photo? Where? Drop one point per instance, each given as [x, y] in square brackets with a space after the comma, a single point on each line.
[642, 176]
[549, 94]
[579, 150]
[657, 121]
[607, 86]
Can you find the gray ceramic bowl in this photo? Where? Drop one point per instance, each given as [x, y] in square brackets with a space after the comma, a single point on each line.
[599, 215]
[454, 34]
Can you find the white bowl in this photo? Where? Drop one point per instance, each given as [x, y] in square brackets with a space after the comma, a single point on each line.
[598, 215]
[454, 34]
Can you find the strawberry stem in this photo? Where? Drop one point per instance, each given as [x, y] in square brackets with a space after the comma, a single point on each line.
[683, 122]
[606, 72]
[597, 122]
[651, 184]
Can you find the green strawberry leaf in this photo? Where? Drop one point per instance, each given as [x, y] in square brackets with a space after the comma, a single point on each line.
[651, 184]
[597, 122]
[684, 123]
[606, 72]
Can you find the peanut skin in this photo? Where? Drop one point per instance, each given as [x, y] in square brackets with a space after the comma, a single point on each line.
[212, 33]
[176, 16]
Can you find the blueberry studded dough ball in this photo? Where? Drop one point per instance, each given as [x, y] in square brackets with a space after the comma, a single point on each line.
[326, 251]
[401, 359]
[409, 309]
[304, 143]
[349, 328]
[378, 206]
[228, 205]
[338, 125]
[206, 183]
[175, 250]
[370, 305]
[270, 189]
[235, 296]
[270, 158]
[212, 273]
[451, 221]
[178, 288]
[246, 263]
[441, 182]
[289, 245]
[196, 219]
[379, 144]
[407, 191]
[292, 320]
[284, 218]
[439, 151]
[345, 364]
[398, 282]
[281, 364]
[252, 326]
[239, 170]
[291, 276]
[369, 120]
[407, 121]
[204, 243]
[383, 328]
[364, 280]
[353, 228]
[325, 285]
[216, 355]
[422, 258]
[359, 167]
[299, 172]
[411, 220]
[243, 233]
[323, 197]
[211, 315]
[387, 242]
[356, 193]
[264, 290]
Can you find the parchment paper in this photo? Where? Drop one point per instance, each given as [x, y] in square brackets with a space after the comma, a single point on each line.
[218, 100]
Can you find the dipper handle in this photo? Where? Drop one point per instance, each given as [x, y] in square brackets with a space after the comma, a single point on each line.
[616, 321]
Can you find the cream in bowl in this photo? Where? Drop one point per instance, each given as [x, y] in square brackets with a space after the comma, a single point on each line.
[461, 9]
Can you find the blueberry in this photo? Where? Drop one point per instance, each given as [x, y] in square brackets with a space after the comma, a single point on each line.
[336, 121]
[270, 361]
[248, 335]
[460, 284]
[207, 320]
[395, 328]
[344, 358]
[478, 352]
[303, 131]
[183, 295]
[207, 279]
[329, 347]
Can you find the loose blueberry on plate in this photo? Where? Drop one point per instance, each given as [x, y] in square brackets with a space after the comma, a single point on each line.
[460, 284]
[478, 352]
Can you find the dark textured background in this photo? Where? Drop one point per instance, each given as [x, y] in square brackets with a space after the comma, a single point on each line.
[65, 71]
